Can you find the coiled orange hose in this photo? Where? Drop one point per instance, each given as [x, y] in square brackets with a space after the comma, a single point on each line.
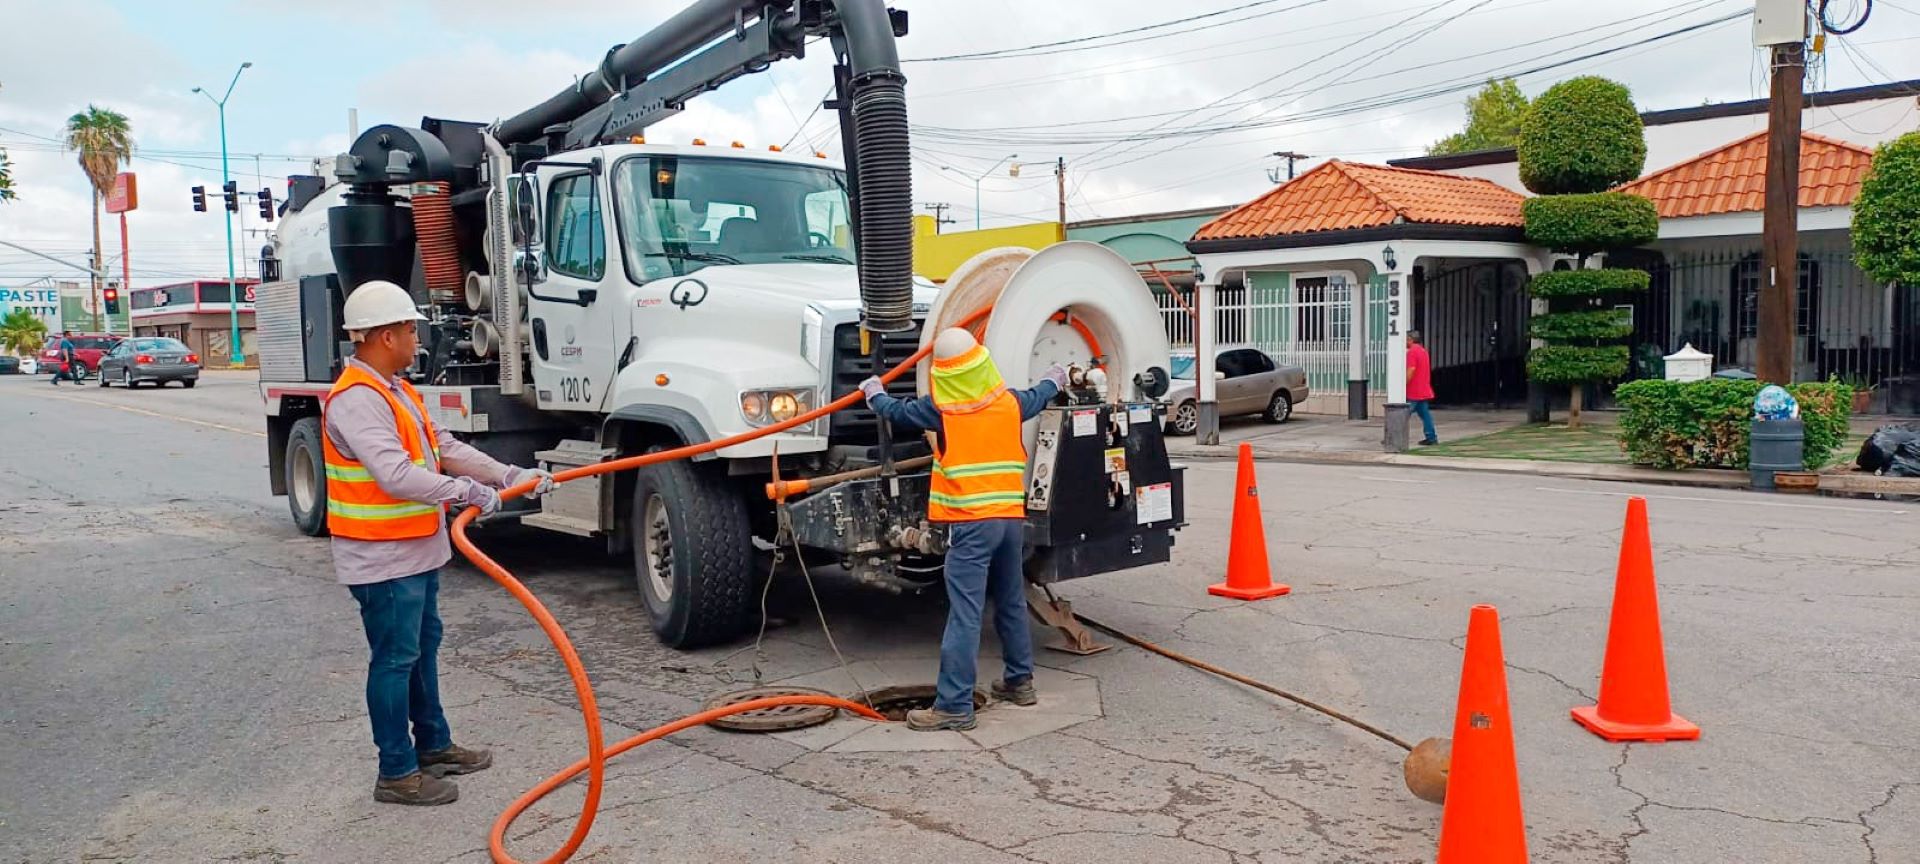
[597, 752]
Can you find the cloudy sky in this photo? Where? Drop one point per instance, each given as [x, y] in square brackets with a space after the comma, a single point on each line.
[1160, 118]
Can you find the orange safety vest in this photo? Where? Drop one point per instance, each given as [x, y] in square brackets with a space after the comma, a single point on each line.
[979, 472]
[357, 508]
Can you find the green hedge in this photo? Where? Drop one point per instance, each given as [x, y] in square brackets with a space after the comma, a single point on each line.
[1590, 223]
[1886, 215]
[1574, 364]
[1589, 283]
[1599, 325]
[1582, 135]
[1705, 424]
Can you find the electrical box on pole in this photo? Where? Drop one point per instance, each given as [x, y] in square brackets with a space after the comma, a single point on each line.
[1779, 22]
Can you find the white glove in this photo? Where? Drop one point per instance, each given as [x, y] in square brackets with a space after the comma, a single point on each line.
[482, 496]
[872, 387]
[1057, 374]
[544, 480]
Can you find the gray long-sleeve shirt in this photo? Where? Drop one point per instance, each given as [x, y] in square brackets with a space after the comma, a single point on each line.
[361, 425]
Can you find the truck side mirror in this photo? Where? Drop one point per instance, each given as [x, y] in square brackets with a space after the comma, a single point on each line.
[524, 203]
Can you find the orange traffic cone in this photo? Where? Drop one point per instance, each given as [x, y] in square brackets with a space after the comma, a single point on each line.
[1633, 682]
[1482, 823]
[1247, 575]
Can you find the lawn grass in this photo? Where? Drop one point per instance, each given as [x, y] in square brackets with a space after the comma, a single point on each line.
[1592, 442]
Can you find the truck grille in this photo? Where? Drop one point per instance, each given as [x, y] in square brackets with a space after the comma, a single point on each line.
[858, 426]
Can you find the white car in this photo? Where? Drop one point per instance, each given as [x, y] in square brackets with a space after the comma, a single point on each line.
[29, 366]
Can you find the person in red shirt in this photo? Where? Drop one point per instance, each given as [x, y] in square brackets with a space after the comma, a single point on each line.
[1420, 385]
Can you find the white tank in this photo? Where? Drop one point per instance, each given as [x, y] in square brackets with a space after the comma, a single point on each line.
[300, 241]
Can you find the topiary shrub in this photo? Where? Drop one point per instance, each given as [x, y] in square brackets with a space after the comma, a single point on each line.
[1582, 135]
[1585, 224]
[1589, 283]
[1576, 364]
[1706, 424]
[1886, 215]
[1599, 325]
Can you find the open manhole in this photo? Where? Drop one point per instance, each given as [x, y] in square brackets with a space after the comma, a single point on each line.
[894, 702]
[781, 718]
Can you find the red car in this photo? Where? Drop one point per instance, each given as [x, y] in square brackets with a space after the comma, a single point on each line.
[88, 348]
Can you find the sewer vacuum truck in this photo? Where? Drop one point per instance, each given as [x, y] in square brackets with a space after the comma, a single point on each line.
[592, 294]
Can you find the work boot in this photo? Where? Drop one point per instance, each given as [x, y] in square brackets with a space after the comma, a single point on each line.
[934, 720]
[1021, 694]
[455, 759]
[419, 788]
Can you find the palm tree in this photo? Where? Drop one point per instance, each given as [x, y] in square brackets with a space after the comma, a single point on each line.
[105, 142]
[22, 333]
[6, 178]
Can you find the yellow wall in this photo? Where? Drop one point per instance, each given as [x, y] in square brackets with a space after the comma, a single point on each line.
[936, 256]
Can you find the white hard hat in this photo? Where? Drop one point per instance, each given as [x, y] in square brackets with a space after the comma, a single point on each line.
[377, 304]
[953, 342]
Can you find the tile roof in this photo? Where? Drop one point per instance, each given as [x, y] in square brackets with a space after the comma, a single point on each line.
[1340, 195]
[1733, 179]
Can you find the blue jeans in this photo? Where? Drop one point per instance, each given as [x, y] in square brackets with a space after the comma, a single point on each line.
[402, 619]
[1425, 414]
[983, 558]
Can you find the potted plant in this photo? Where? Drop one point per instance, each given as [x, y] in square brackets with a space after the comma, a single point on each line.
[1862, 393]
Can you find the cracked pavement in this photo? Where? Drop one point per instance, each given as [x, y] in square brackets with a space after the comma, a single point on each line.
[183, 678]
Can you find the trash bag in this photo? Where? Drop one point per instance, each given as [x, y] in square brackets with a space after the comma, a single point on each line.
[1893, 449]
[1775, 403]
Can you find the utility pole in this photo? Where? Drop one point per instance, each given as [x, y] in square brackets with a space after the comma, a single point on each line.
[939, 209]
[1780, 241]
[1060, 185]
[1273, 174]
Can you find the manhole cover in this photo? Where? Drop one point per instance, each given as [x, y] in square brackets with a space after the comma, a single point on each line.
[780, 718]
[894, 702]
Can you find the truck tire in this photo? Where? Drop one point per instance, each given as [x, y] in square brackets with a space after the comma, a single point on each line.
[692, 553]
[306, 477]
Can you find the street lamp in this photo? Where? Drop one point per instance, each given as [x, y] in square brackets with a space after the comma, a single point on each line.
[236, 354]
[976, 184]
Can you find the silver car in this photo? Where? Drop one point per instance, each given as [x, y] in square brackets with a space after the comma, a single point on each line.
[150, 358]
[1249, 383]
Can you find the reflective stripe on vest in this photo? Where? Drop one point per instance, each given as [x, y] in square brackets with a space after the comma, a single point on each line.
[357, 508]
[980, 471]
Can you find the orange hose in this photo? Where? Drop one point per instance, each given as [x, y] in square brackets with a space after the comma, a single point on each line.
[597, 753]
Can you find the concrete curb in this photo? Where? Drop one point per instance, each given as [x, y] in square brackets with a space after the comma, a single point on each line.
[1701, 478]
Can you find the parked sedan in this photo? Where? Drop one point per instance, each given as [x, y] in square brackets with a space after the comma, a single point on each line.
[9, 365]
[1249, 383]
[149, 358]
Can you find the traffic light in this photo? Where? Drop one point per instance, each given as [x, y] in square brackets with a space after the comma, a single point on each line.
[199, 199]
[112, 295]
[266, 204]
[232, 191]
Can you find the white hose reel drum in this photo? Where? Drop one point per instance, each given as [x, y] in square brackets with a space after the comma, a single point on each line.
[1047, 304]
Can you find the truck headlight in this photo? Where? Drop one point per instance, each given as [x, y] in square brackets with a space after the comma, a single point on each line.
[766, 407]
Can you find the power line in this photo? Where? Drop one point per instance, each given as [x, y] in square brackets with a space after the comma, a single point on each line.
[1007, 53]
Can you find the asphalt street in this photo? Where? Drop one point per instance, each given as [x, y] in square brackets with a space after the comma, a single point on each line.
[183, 679]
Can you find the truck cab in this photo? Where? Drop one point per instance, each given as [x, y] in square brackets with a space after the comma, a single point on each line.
[698, 287]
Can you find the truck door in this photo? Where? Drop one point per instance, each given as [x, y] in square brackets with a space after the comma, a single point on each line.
[570, 324]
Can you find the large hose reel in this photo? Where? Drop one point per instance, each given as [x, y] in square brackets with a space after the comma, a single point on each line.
[1073, 303]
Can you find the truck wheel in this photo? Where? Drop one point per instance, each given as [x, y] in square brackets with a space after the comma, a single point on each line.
[692, 554]
[306, 477]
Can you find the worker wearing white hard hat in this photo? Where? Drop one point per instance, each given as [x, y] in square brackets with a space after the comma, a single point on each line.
[392, 474]
[978, 490]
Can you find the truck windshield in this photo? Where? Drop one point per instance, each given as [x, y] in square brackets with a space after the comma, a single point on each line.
[680, 214]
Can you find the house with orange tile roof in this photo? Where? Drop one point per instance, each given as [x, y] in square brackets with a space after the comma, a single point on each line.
[1330, 270]
[1327, 271]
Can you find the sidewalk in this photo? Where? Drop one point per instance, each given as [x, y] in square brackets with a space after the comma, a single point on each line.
[1337, 441]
